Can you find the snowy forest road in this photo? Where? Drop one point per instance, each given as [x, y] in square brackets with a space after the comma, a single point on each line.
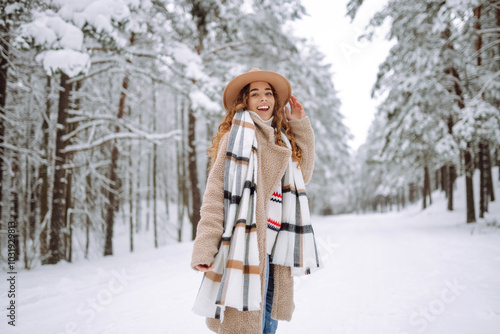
[397, 273]
[402, 273]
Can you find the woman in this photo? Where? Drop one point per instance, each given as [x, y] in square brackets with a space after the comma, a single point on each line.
[255, 231]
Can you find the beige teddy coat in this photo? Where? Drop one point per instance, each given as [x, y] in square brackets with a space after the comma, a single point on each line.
[273, 160]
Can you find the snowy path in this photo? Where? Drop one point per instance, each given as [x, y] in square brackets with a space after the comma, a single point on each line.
[389, 275]
[412, 272]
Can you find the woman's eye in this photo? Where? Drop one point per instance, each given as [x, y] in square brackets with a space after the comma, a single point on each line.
[255, 95]
[269, 93]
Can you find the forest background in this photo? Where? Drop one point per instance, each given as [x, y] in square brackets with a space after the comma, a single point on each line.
[107, 108]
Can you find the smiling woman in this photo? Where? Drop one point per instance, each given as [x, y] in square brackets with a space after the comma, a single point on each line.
[261, 99]
[254, 207]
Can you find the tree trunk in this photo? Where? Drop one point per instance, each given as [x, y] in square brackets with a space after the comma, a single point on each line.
[180, 175]
[403, 198]
[193, 172]
[199, 12]
[412, 192]
[483, 169]
[444, 178]
[4, 54]
[436, 179]
[166, 172]
[498, 25]
[450, 170]
[489, 176]
[88, 204]
[14, 200]
[427, 184]
[131, 201]
[455, 88]
[33, 202]
[180, 192]
[185, 174]
[486, 185]
[398, 200]
[451, 183]
[25, 246]
[483, 190]
[43, 175]
[14, 217]
[67, 213]
[424, 188]
[148, 190]
[497, 162]
[138, 195]
[155, 151]
[479, 39]
[110, 210]
[113, 175]
[69, 194]
[30, 193]
[68, 217]
[469, 173]
[59, 197]
[155, 200]
[30, 221]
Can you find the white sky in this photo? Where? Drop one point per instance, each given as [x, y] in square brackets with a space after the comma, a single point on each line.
[354, 63]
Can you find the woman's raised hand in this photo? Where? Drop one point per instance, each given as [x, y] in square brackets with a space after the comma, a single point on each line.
[297, 109]
[205, 267]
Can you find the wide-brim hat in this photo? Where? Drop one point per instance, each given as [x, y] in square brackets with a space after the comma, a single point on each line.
[234, 87]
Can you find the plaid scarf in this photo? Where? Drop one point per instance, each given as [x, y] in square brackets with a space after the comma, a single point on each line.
[235, 279]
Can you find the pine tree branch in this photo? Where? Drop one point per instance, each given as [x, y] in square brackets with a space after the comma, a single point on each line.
[487, 84]
[90, 75]
[37, 156]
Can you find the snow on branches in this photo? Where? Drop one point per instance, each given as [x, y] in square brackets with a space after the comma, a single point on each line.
[59, 35]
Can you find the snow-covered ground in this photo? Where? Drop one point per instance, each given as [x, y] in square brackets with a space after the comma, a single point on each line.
[409, 272]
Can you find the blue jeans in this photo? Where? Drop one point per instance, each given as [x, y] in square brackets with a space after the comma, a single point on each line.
[269, 325]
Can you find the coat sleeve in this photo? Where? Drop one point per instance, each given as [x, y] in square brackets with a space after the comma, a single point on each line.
[211, 225]
[304, 138]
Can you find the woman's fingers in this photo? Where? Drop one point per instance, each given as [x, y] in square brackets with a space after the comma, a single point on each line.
[205, 267]
[297, 111]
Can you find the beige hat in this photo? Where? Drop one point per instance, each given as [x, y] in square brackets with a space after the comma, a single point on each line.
[279, 83]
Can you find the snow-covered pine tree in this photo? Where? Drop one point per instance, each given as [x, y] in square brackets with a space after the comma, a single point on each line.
[62, 54]
[61, 39]
[429, 80]
[416, 100]
[12, 13]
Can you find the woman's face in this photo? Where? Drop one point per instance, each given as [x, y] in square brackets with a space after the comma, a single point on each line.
[261, 99]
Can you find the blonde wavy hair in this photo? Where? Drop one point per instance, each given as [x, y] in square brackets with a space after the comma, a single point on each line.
[279, 122]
